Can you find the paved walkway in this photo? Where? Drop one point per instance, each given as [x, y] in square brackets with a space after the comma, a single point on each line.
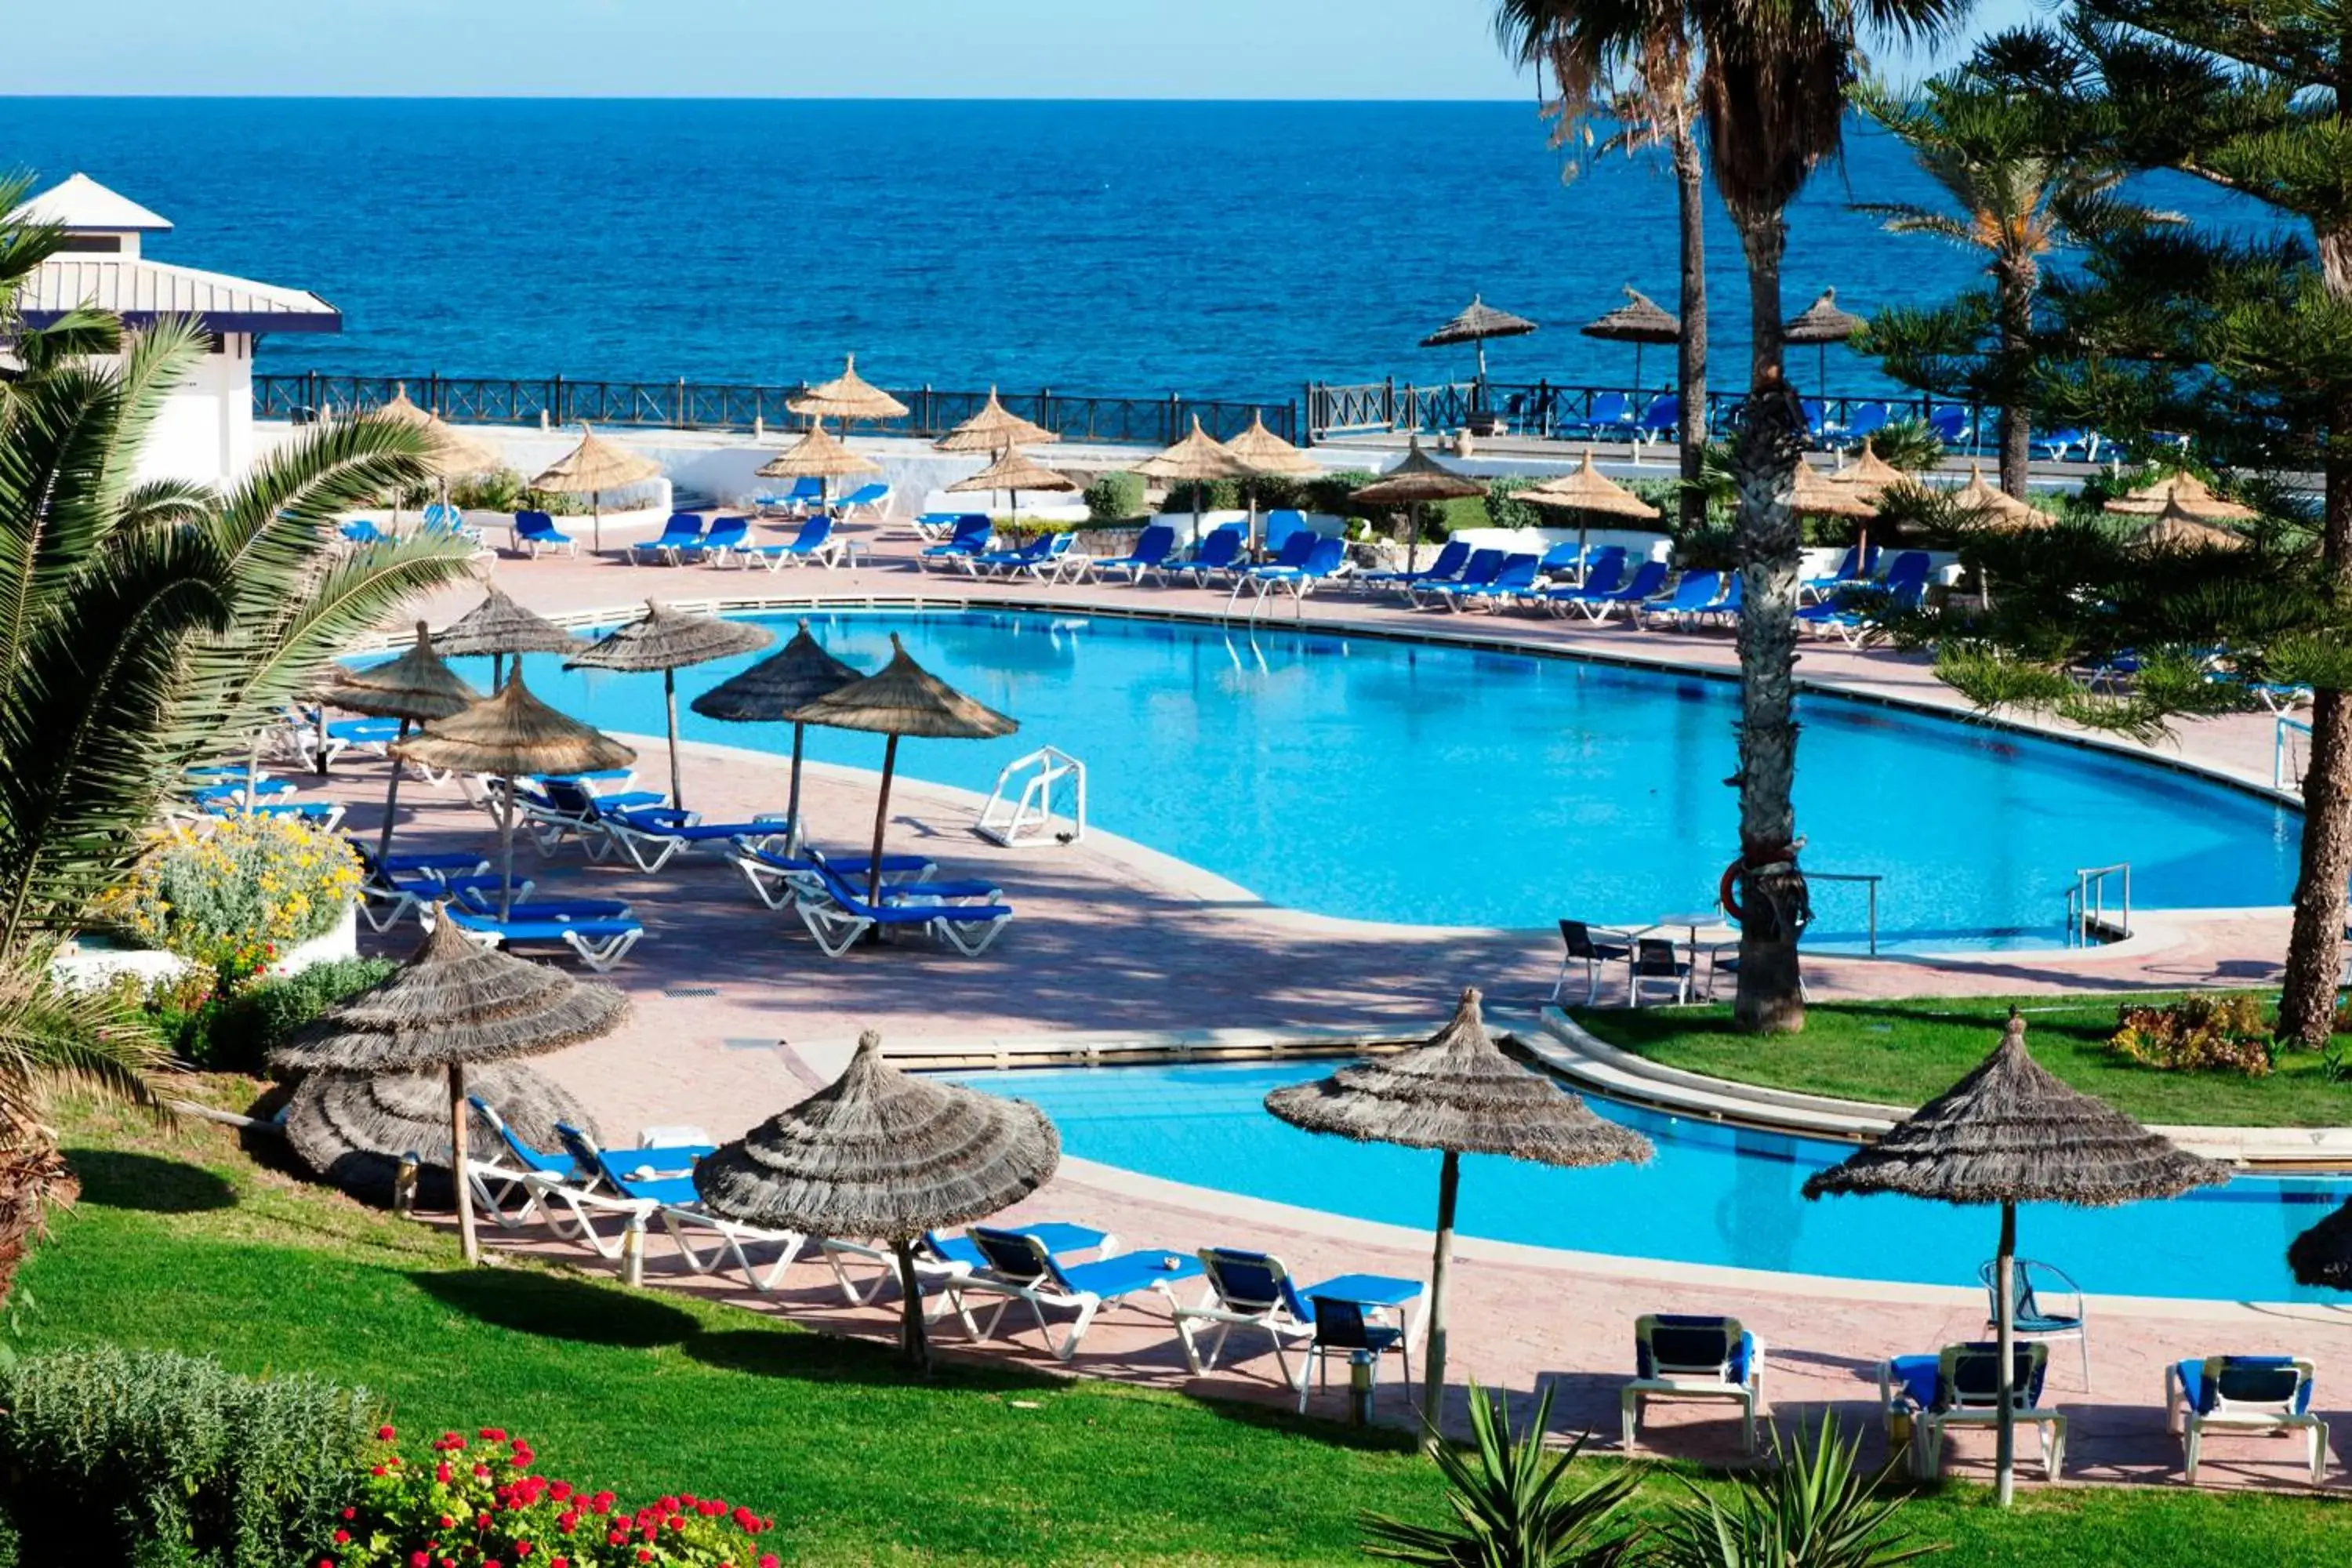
[736, 1013]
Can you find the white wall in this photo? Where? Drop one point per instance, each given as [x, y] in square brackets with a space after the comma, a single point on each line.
[206, 430]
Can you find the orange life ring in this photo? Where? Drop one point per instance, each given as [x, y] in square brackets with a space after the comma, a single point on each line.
[1727, 891]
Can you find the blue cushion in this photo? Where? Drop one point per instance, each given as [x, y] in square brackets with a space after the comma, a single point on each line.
[1914, 1378]
[1112, 1277]
[2254, 1379]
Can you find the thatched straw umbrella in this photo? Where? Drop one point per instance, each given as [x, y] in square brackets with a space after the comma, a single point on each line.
[415, 689]
[1269, 455]
[880, 1154]
[774, 690]
[669, 641]
[1013, 472]
[1821, 324]
[2177, 530]
[1641, 321]
[1476, 323]
[817, 456]
[454, 1004]
[901, 698]
[847, 397]
[593, 467]
[1418, 478]
[1871, 474]
[1460, 1094]
[514, 735]
[1585, 490]
[355, 1128]
[448, 453]
[2322, 1255]
[1996, 511]
[992, 429]
[1199, 458]
[2010, 1132]
[499, 626]
[1813, 491]
[2183, 491]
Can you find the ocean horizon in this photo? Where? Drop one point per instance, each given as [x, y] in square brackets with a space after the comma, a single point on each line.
[1230, 249]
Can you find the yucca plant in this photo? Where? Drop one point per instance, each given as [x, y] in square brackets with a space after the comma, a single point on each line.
[1811, 1507]
[1512, 1507]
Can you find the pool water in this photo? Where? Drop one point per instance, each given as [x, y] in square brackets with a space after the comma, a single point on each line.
[1713, 1194]
[1389, 781]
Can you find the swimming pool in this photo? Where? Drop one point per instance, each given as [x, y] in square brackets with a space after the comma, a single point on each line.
[1714, 1194]
[1385, 780]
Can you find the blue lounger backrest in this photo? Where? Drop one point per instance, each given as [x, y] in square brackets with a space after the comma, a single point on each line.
[1252, 1281]
[529, 522]
[1909, 568]
[1014, 1255]
[727, 530]
[808, 488]
[972, 529]
[1155, 542]
[683, 527]
[1665, 412]
[1560, 557]
[1325, 558]
[1221, 548]
[1607, 574]
[1281, 526]
[1650, 577]
[1698, 590]
[1451, 559]
[532, 1159]
[1686, 1341]
[813, 532]
[1519, 572]
[1975, 1372]
[2254, 1380]
[1611, 408]
[572, 798]
[1484, 564]
[1295, 548]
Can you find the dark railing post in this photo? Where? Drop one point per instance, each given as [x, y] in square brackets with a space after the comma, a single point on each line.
[1388, 401]
[1171, 430]
[555, 398]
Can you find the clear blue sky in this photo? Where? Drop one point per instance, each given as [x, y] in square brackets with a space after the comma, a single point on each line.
[865, 48]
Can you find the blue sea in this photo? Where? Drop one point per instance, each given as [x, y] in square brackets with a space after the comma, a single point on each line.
[1229, 249]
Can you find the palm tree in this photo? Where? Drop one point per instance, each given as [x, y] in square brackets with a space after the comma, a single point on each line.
[144, 625]
[1771, 78]
[1642, 87]
[2020, 193]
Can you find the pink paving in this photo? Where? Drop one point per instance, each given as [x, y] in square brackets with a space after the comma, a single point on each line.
[736, 1013]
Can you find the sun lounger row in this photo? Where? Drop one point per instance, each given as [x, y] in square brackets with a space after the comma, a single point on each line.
[685, 542]
[839, 908]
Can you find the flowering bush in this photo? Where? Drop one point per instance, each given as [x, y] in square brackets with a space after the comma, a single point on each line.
[2196, 1033]
[476, 1504]
[237, 897]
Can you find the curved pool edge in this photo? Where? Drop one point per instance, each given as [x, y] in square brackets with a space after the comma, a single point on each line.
[1236, 1211]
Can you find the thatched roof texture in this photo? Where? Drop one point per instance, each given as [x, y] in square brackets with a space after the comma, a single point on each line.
[1014, 470]
[498, 624]
[1871, 473]
[594, 465]
[1586, 488]
[513, 732]
[817, 456]
[454, 1001]
[1640, 319]
[2183, 492]
[992, 429]
[880, 1153]
[847, 396]
[354, 1128]
[780, 685]
[1267, 453]
[1478, 320]
[904, 699]
[1815, 492]
[1459, 1091]
[1822, 322]
[449, 451]
[1199, 455]
[1418, 478]
[2176, 530]
[664, 638]
[2322, 1255]
[416, 685]
[2012, 1131]
[1996, 511]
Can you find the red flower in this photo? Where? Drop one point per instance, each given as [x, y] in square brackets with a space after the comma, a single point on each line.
[419, 1560]
[493, 1434]
[481, 1521]
[447, 1523]
[385, 1433]
[481, 1472]
[522, 1549]
[561, 1491]
[748, 1522]
[615, 1538]
[443, 1474]
[343, 1538]
[351, 1513]
[643, 1556]
[767, 1560]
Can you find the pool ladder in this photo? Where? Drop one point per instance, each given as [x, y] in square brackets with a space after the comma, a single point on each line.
[2090, 921]
[1026, 813]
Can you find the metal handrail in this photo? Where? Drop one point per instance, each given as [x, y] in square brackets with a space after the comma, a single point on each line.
[2281, 749]
[2086, 905]
[1870, 879]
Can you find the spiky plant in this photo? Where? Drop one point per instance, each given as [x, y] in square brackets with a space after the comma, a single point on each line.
[1812, 1507]
[1512, 1506]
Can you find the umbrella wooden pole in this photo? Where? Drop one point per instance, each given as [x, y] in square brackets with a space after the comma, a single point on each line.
[670, 702]
[914, 1337]
[318, 758]
[497, 671]
[391, 799]
[1433, 1361]
[466, 1239]
[506, 844]
[881, 819]
[793, 804]
[2004, 1336]
[253, 766]
[596, 522]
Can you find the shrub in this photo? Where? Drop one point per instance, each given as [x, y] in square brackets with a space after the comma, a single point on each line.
[1505, 510]
[1908, 444]
[504, 490]
[154, 1459]
[237, 897]
[2196, 1033]
[236, 1031]
[478, 1502]
[1114, 497]
[1217, 495]
[1335, 492]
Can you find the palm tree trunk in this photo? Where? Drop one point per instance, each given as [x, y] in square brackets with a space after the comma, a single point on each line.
[1690, 354]
[2314, 948]
[1768, 539]
[2016, 420]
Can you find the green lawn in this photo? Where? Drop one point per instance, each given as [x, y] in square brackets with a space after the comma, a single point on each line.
[1905, 1053]
[181, 1241]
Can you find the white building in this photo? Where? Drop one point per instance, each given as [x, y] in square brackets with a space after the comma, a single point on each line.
[206, 432]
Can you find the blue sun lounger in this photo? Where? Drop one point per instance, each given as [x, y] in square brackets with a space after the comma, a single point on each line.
[1679, 1355]
[1023, 1269]
[971, 538]
[475, 899]
[808, 490]
[386, 898]
[1042, 555]
[1481, 570]
[726, 534]
[1452, 557]
[1696, 594]
[942, 1259]
[1959, 1387]
[680, 534]
[770, 872]
[872, 499]
[651, 835]
[1852, 570]
[1152, 547]
[600, 943]
[1319, 561]
[814, 542]
[2265, 1394]
[364, 532]
[1255, 1291]
[965, 916]
[535, 532]
[1515, 581]
[641, 1185]
[1219, 554]
[1648, 581]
